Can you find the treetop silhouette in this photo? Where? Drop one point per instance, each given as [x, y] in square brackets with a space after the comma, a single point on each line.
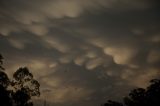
[141, 97]
[24, 79]
[19, 90]
[1, 62]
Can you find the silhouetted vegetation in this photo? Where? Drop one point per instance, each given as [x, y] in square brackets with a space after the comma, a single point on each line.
[141, 97]
[19, 90]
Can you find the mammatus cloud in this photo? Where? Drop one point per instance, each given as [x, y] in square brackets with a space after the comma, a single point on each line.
[25, 13]
[82, 52]
[121, 55]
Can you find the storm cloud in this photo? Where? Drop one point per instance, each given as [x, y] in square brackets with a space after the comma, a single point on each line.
[83, 52]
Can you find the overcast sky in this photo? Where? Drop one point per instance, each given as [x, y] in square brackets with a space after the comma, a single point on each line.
[83, 52]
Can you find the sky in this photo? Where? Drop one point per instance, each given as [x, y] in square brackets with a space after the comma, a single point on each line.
[82, 52]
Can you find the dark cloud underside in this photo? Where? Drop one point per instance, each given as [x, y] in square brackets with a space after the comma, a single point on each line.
[82, 52]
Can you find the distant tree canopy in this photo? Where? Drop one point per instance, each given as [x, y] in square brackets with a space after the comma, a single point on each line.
[1, 62]
[141, 97]
[19, 90]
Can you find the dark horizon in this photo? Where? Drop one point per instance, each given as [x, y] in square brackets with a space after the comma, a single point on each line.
[82, 52]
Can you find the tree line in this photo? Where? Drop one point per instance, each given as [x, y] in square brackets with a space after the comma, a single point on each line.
[18, 90]
[140, 96]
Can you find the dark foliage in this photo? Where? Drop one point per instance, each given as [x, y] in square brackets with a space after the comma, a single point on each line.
[4, 80]
[19, 90]
[5, 99]
[141, 97]
[24, 79]
[1, 62]
[21, 97]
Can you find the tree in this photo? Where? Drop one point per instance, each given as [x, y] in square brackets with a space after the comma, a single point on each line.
[5, 99]
[4, 80]
[1, 62]
[21, 97]
[22, 87]
[137, 97]
[153, 93]
[26, 87]
[141, 97]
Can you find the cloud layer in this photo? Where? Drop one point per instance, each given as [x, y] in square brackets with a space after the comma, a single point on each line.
[82, 52]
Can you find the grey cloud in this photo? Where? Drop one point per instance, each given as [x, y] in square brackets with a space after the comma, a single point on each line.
[39, 10]
[89, 80]
[96, 47]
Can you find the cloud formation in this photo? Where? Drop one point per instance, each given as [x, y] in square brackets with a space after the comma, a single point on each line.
[82, 52]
